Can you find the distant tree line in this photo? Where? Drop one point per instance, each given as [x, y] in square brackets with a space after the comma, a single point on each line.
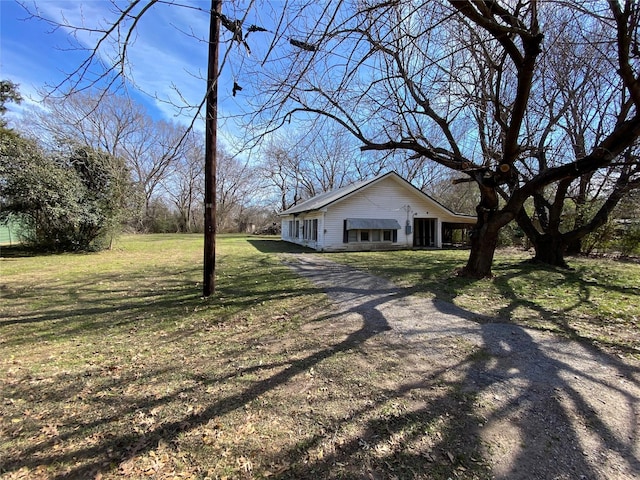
[87, 166]
[152, 173]
[101, 165]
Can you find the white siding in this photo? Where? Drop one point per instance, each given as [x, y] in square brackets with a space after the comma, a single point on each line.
[384, 199]
[387, 198]
[298, 235]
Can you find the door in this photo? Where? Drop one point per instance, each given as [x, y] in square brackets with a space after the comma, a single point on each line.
[424, 232]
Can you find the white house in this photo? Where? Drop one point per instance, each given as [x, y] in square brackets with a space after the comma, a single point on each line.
[386, 212]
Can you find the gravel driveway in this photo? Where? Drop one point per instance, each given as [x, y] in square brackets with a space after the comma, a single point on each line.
[552, 408]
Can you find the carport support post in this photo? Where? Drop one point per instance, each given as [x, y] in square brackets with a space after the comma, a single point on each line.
[211, 126]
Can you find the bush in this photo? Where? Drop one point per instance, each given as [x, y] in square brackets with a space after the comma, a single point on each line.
[511, 235]
[70, 200]
[628, 241]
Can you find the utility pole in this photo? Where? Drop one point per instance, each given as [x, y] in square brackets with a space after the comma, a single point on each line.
[210, 161]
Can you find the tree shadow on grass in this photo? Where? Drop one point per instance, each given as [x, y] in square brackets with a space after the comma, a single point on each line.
[156, 298]
[9, 252]
[456, 407]
[561, 319]
[117, 448]
[119, 444]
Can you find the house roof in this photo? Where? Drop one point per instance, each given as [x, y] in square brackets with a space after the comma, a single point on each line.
[327, 198]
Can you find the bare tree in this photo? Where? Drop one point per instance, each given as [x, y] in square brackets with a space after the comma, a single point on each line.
[236, 186]
[153, 154]
[273, 168]
[280, 166]
[119, 126]
[184, 185]
[455, 82]
[579, 101]
[310, 161]
[327, 156]
[101, 120]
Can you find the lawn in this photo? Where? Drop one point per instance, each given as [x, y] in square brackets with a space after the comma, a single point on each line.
[114, 366]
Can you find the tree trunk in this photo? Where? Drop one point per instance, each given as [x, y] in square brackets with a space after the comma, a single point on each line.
[483, 247]
[574, 247]
[550, 249]
[484, 240]
[484, 236]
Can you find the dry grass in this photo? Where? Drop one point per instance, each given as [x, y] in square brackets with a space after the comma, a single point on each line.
[113, 366]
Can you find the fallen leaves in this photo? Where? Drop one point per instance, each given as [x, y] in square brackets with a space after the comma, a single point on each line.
[50, 430]
[204, 391]
[39, 472]
[212, 434]
[163, 462]
[245, 464]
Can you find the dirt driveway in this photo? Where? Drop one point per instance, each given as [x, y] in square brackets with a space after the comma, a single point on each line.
[550, 408]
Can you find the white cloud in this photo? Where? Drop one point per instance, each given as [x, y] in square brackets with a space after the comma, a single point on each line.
[161, 55]
[167, 57]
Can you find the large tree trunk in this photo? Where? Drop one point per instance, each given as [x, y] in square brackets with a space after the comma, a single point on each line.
[484, 236]
[574, 247]
[550, 249]
[552, 246]
[484, 240]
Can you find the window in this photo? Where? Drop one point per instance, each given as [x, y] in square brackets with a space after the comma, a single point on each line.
[310, 229]
[370, 230]
[297, 229]
[370, 236]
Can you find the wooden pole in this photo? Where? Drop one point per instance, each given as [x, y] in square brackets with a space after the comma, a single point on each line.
[211, 140]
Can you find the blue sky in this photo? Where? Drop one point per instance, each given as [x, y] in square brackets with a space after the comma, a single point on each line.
[169, 51]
